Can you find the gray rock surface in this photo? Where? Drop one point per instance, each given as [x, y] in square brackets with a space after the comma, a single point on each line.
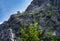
[51, 23]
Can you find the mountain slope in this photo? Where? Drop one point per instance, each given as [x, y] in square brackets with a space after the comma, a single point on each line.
[46, 12]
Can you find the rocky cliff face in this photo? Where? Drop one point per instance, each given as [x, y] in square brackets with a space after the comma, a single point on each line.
[46, 12]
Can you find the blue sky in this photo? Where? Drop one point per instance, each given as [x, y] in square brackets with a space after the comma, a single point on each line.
[8, 7]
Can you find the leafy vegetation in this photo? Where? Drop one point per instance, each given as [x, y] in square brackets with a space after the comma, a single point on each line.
[48, 33]
[22, 14]
[49, 13]
[47, 22]
[31, 33]
[42, 10]
[48, 4]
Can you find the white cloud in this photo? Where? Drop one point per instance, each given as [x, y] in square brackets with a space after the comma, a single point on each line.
[1, 22]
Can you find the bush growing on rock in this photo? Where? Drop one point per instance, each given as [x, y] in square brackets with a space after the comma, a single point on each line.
[31, 33]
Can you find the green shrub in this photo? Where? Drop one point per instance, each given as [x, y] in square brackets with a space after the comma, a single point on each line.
[48, 33]
[42, 10]
[48, 4]
[49, 13]
[22, 14]
[47, 22]
[31, 33]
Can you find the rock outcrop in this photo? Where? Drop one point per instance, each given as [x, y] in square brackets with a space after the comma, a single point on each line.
[46, 12]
